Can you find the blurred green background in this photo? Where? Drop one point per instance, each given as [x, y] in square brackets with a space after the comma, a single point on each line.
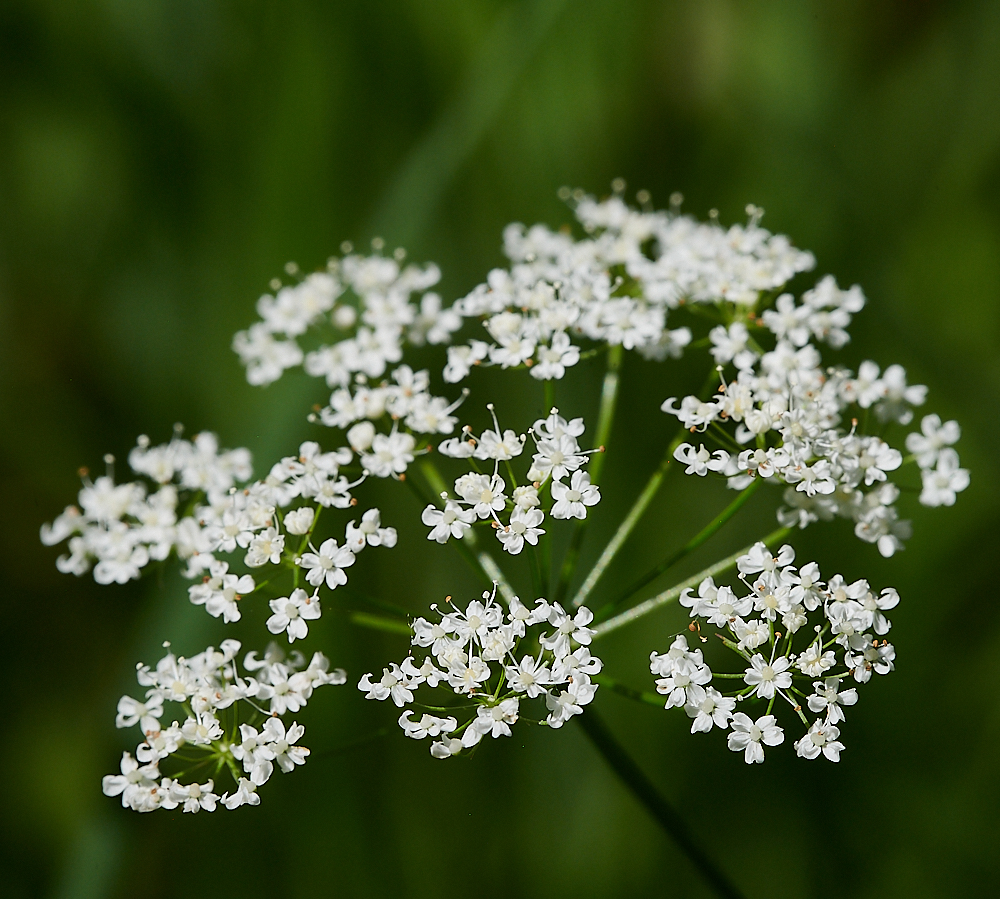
[160, 161]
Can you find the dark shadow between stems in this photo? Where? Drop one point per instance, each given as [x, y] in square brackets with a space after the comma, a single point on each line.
[646, 792]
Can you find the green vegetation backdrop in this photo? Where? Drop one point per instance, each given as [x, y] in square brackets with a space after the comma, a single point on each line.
[160, 160]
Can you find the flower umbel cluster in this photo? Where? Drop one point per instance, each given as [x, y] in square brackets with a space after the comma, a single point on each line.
[477, 656]
[616, 286]
[660, 283]
[361, 313]
[557, 464]
[404, 408]
[224, 727]
[785, 656]
[120, 528]
[819, 430]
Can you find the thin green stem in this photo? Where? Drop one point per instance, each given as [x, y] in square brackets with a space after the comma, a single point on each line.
[536, 574]
[391, 608]
[481, 562]
[630, 692]
[667, 596]
[380, 623]
[433, 476]
[606, 413]
[605, 419]
[628, 525]
[643, 789]
[549, 387]
[493, 572]
[697, 540]
[545, 561]
[637, 511]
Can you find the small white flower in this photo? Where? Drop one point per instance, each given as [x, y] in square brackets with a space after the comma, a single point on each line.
[485, 493]
[426, 726]
[713, 709]
[145, 714]
[267, 546]
[390, 454]
[750, 737]
[369, 533]
[814, 662]
[496, 720]
[452, 521]
[327, 564]
[553, 360]
[194, 797]
[281, 744]
[943, 483]
[768, 676]
[821, 738]
[829, 698]
[492, 445]
[299, 521]
[558, 457]
[291, 614]
[221, 592]
[246, 794]
[360, 436]
[529, 676]
[569, 702]
[700, 461]
[129, 783]
[523, 527]
[932, 438]
[572, 501]
[394, 685]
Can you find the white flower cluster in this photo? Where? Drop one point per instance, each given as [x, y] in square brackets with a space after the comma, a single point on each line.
[781, 414]
[125, 526]
[793, 410]
[474, 654]
[557, 457]
[405, 399]
[931, 448]
[120, 528]
[764, 627]
[210, 690]
[616, 286]
[362, 307]
[140, 525]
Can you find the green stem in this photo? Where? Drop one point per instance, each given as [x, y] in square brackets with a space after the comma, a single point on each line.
[433, 476]
[638, 509]
[606, 414]
[380, 623]
[391, 608]
[629, 692]
[481, 562]
[536, 573]
[605, 419]
[545, 561]
[643, 789]
[628, 525]
[549, 386]
[653, 603]
[697, 540]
